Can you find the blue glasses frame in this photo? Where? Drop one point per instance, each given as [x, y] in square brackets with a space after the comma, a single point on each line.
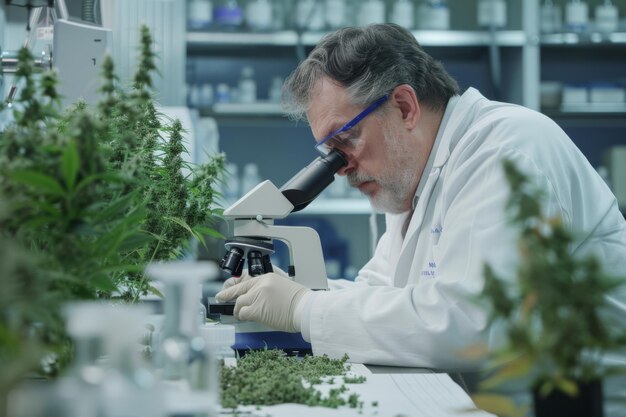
[369, 109]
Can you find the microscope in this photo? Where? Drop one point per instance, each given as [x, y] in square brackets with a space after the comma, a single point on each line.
[253, 216]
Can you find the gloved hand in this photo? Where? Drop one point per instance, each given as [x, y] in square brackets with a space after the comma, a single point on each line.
[245, 276]
[269, 299]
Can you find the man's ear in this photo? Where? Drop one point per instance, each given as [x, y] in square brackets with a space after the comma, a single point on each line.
[405, 99]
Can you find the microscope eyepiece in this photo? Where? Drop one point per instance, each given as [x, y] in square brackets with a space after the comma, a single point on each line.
[307, 184]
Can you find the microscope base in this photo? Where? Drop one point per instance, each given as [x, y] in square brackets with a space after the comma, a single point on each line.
[290, 343]
[250, 335]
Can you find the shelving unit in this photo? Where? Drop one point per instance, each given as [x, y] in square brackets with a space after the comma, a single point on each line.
[506, 65]
[427, 38]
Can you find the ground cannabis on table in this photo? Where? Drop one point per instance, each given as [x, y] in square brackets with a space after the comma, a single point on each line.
[270, 377]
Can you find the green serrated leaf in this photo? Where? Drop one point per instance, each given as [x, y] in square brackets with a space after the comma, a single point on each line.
[103, 283]
[498, 404]
[208, 231]
[118, 208]
[517, 368]
[39, 181]
[70, 164]
[181, 223]
[135, 241]
[155, 291]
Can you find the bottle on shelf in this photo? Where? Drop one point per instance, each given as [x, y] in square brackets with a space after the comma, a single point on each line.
[259, 15]
[247, 86]
[202, 311]
[276, 88]
[310, 15]
[232, 189]
[492, 13]
[433, 15]
[577, 16]
[199, 14]
[207, 95]
[227, 14]
[403, 13]
[335, 13]
[551, 17]
[223, 93]
[193, 95]
[370, 11]
[607, 17]
[250, 177]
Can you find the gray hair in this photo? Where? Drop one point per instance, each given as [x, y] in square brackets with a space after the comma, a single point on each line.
[369, 61]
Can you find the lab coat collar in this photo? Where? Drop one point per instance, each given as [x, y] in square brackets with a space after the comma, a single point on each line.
[454, 117]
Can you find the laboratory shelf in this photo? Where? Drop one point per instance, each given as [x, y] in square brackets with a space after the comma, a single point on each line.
[260, 108]
[586, 39]
[435, 38]
[337, 206]
[594, 108]
[605, 110]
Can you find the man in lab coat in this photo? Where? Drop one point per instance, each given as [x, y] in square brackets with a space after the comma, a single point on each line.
[431, 159]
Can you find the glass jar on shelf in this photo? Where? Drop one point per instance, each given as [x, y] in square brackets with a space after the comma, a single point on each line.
[370, 11]
[227, 15]
[403, 13]
[199, 14]
[259, 15]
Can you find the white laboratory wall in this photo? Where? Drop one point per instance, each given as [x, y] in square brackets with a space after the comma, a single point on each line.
[166, 20]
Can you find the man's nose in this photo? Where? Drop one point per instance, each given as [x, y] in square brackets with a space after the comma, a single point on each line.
[346, 169]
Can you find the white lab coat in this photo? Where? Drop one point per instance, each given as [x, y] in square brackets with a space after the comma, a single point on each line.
[411, 304]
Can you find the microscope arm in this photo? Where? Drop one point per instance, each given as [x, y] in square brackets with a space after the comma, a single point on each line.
[305, 249]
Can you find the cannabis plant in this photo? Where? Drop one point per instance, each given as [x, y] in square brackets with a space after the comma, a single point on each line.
[552, 312]
[95, 193]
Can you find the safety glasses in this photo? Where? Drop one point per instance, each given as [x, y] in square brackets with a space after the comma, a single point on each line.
[333, 140]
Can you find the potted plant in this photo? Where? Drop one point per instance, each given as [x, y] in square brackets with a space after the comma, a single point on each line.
[90, 196]
[552, 314]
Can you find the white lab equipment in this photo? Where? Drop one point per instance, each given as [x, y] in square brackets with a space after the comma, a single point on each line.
[247, 86]
[577, 16]
[202, 311]
[309, 15]
[184, 360]
[259, 15]
[551, 19]
[607, 17]
[129, 387]
[199, 14]
[492, 13]
[370, 11]
[403, 13]
[182, 280]
[220, 339]
[433, 15]
[335, 12]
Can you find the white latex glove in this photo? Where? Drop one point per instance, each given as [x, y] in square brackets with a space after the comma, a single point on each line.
[244, 277]
[269, 299]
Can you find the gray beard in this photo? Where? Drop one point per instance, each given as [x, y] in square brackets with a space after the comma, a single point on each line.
[396, 183]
